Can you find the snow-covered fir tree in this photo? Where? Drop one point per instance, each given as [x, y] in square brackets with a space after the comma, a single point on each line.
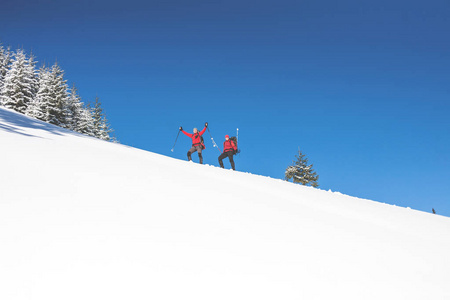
[105, 130]
[97, 115]
[73, 110]
[101, 126]
[86, 121]
[33, 109]
[5, 61]
[301, 172]
[58, 96]
[20, 83]
[32, 78]
[38, 107]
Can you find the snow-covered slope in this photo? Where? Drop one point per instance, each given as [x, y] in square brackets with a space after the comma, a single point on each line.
[85, 219]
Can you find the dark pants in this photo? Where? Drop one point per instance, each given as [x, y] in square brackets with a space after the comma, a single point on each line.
[230, 156]
[197, 148]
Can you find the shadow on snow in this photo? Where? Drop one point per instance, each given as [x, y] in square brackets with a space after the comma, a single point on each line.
[17, 119]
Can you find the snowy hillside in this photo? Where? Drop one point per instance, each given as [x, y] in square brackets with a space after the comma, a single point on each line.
[85, 219]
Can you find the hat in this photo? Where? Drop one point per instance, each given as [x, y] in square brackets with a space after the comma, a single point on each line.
[227, 136]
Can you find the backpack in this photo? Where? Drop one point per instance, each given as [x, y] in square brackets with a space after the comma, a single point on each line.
[202, 142]
[234, 139]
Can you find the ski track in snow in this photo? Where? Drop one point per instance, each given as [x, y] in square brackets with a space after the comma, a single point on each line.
[82, 218]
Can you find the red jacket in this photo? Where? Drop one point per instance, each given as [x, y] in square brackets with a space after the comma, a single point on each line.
[195, 137]
[229, 146]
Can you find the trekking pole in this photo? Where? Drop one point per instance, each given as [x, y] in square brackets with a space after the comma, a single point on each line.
[237, 140]
[175, 140]
[214, 143]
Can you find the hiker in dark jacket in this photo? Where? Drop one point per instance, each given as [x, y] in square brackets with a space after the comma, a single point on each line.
[229, 149]
[197, 144]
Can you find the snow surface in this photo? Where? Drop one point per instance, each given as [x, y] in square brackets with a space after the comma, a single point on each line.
[82, 218]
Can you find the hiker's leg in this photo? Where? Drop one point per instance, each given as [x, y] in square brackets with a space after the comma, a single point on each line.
[192, 150]
[221, 157]
[230, 156]
[199, 150]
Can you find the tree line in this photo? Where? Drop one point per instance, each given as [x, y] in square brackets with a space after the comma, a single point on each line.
[42, 93]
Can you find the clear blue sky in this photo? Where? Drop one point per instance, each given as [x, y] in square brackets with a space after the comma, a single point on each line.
[362, 87]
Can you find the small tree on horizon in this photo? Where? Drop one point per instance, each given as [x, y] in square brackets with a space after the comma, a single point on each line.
[300, 172]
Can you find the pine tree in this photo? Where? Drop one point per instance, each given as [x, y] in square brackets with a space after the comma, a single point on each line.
[105, 130]
[20, 83]
[33, 109]
[86, 122]
[5, 62]
[301, 172]
[38, 107]
[32, 80]
[73, 110]
[57, 97]
[97, 115]
[101, 126]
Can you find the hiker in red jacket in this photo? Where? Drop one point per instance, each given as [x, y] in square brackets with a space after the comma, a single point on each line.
[229, 149]
[197, 142]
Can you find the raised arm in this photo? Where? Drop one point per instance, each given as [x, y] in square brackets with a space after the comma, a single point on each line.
[188, 134]
[204, 129]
